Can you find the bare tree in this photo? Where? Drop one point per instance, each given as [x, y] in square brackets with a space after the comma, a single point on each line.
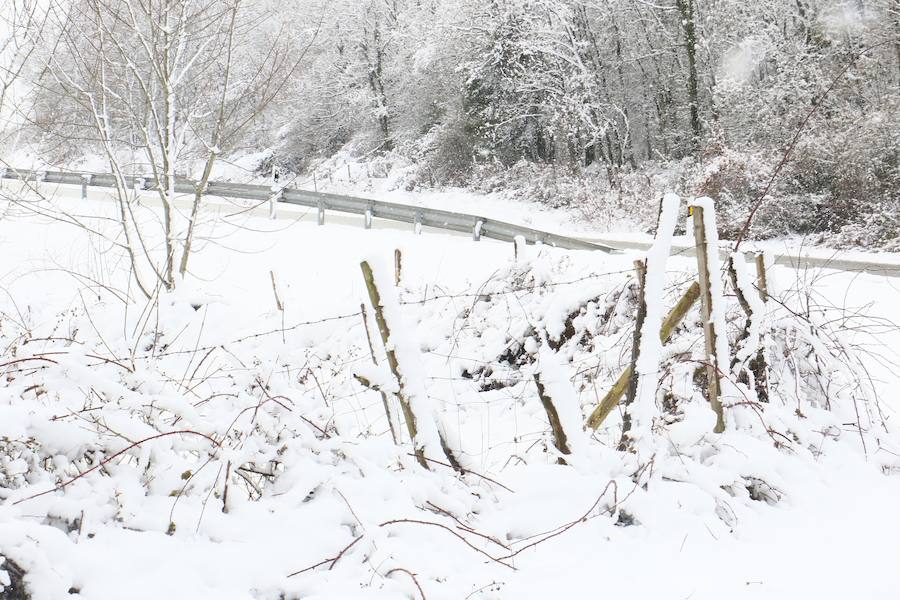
[21, 23]
[171, 82]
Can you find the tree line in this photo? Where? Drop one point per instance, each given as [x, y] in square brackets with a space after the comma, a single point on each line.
[714, 89]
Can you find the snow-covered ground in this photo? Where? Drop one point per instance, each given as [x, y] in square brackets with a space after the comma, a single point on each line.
[221, 379]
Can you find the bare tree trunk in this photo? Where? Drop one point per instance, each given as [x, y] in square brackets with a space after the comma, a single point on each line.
[686, 14]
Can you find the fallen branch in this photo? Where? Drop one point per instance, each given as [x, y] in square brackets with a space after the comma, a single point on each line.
[333, 560]
[411, 575]
[454, 533]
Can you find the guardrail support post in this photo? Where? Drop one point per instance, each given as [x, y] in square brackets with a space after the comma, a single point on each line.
[276, 197]
[85, 182]
[476, 230]
[368, 221]
[321, 207]
[417, 223]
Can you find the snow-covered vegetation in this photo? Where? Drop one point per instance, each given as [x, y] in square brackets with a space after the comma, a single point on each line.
[230, 438]
[204, 397]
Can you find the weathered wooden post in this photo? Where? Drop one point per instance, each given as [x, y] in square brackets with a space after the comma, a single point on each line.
[762, 279]
[398, 266]
[706, 310]
[384, 397]
[393, 364]
[640, 268]
[673, 319]
[560, 439]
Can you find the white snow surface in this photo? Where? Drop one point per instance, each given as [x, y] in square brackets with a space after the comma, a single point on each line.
[210, 446]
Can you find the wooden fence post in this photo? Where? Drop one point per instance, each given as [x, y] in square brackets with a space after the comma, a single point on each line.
[640, 267]
[763, 280]
[757, 364]
[384, 397]
[706, 311]
[384, 330]
[673, 319]
[560, 439]
[398, 266]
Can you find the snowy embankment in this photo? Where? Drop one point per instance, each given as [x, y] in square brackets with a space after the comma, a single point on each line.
[212, 445]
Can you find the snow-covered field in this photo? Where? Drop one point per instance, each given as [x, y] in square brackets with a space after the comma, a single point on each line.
[210, 445]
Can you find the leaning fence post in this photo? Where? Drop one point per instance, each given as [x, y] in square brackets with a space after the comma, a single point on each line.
[673, 319]
[749, 345]
[385, 332]
[424, 428]
[706, 311]
[384, 398]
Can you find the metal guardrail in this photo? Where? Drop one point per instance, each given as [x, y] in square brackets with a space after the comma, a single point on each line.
[793, 261]
[478, 226]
